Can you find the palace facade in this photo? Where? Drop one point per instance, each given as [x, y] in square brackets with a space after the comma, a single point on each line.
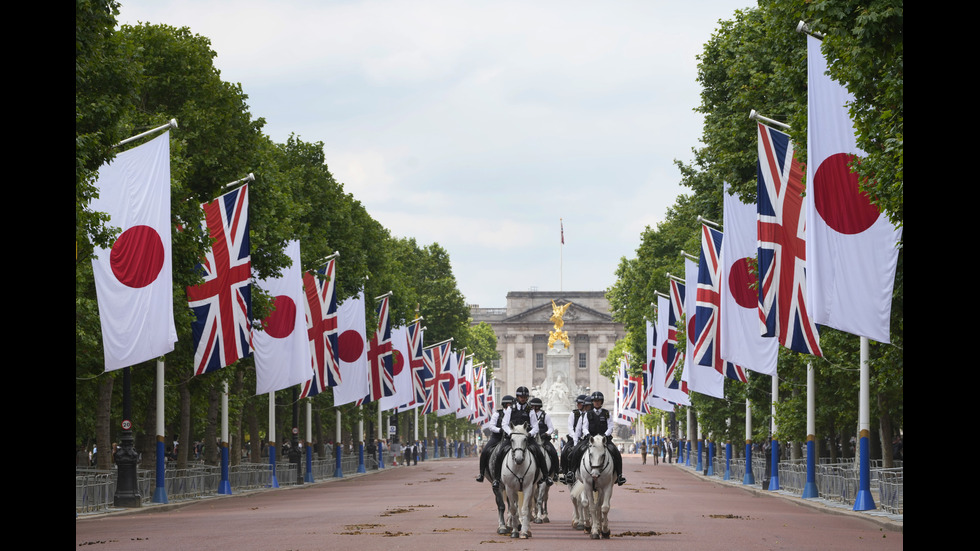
[522, 330]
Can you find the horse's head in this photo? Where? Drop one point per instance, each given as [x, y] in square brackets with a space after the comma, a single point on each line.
[518, 443]
[597, 455]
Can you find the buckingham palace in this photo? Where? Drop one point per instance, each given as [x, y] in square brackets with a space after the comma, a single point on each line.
[522, 330]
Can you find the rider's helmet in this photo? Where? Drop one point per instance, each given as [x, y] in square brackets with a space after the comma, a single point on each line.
[506, 401]
[522, 392]
[536, 402]
[598, 397]
[582, 399]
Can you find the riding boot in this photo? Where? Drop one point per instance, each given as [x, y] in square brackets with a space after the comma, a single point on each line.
[504, 446]
[617, 464]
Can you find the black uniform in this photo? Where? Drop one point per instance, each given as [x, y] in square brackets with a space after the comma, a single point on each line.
[597, 421]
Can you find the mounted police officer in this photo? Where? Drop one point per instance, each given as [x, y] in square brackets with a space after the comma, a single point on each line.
[545, 428]
[518, 414]
[571, 439]
[496, 433]
[594, 422]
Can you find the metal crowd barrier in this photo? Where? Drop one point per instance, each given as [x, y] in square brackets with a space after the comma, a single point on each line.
[95, 489]
[835, 481]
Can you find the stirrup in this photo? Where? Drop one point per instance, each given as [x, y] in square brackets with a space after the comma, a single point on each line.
[621, 480]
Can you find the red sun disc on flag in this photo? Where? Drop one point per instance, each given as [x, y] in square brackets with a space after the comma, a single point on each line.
[280, 323]
[137, 256]
[397, 361]
[350, 346]
[838, 199]
[740, 281]
[690, 329]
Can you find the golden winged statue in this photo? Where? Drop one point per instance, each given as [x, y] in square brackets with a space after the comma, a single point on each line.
[557, 312]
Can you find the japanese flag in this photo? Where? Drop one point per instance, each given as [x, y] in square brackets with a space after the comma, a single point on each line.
[850, 246]
[134, 277]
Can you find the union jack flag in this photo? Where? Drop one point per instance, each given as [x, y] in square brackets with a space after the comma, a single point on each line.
[441, 383]
[480, 392]
[321, 325]
[466, 386]
[674, 357]
[782, 245]
[381, 370]
[420, 372]
[223, 303]
[707, 318]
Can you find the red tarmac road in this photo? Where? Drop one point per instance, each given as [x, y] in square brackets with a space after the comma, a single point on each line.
[438, 505]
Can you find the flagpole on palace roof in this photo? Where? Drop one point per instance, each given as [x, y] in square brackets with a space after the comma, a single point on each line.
[171, 124]
[754, 115]
[561, 259]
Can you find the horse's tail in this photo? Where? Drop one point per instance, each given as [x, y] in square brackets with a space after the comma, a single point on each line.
[577, 489]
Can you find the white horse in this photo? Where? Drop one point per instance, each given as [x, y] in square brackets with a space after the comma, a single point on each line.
[540, 512]
[503, 526]
[517, 475]
[596, 479]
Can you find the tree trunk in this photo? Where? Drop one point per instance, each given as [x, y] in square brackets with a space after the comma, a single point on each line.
[886, 433]
[253, 429]
[184, 435]
[211, 426]
[237, 437]
[103, 457]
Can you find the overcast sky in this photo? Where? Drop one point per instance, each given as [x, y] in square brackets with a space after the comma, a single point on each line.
[479, 124]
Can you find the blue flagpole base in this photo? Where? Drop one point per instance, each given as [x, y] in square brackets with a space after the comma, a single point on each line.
[308, 477]
[224, 485]
[749, 478]
[160, 492]
[774, 479]
[810, 488]
[338, 471]
[273, 481]
[360, 458]
[160, 495]
[864, 501]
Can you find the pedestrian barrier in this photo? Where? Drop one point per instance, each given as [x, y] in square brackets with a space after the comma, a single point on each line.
[835, 481]
[94, 489]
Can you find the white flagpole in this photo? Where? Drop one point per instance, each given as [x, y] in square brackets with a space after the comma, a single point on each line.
[160, 492]
[171, 124]
[864, 501]
[810, 488]
[224, 487]
[273, 481]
